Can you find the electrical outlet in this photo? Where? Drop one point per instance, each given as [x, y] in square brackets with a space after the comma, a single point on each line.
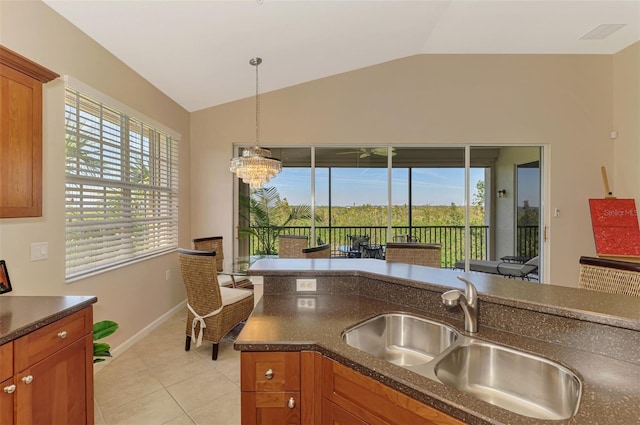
[305, 285]
[39, 251]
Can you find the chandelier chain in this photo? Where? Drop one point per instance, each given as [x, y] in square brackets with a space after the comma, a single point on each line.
[257, 106]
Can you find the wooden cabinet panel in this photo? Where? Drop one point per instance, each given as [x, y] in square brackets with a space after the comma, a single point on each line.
[54, 390]
[43, 342]
[270, 408]
[6, 361]
[332, 414]
[7, 391]
[373, 402]
[21, 135]
[270, 371]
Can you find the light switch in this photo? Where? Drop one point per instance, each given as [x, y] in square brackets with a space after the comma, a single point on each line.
[39, 251]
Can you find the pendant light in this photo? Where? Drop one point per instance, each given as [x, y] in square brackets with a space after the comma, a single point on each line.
[256, 167]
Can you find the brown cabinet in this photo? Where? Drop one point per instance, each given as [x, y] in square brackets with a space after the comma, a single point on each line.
[270, 388]
[52, 380]
[323, 391]
[21, 134]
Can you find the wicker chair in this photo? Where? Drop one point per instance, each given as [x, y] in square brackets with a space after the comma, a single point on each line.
[321, 251]
[219, 309]
[290, 246]
[616, 277]
[422, 254]
[214, 243]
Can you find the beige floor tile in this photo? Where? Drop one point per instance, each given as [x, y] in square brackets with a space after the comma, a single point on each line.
[98, 419]
[113, 391]
[181, 420]
[202, 390]
[222, 411]
[181, 368]
[156, 408]
[157, 382]
[125, 364]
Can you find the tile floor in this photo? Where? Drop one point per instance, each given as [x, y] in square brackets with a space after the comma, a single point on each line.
[157, 382]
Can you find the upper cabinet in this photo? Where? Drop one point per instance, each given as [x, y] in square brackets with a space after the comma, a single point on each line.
[21, 134]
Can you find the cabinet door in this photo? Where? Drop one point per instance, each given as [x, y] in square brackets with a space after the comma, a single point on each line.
[20, 144]
[375, 403]
[7, 393]
[270, 408]
[58, 389]
[332, 414]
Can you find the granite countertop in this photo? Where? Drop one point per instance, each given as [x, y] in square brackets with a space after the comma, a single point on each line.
[315, 321]
[20, 315]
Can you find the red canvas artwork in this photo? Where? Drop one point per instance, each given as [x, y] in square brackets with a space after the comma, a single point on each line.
[615, 226]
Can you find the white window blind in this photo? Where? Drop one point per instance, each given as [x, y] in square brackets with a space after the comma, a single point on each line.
[121, 187]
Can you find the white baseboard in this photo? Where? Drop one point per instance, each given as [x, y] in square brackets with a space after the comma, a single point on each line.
[139, 336]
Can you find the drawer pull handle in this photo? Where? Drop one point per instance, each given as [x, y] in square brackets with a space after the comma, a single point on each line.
[292, 403]
[269, 374]
[9, 389]
[27, 379]
[62, 335]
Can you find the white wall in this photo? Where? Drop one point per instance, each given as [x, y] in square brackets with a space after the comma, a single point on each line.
[135, 295]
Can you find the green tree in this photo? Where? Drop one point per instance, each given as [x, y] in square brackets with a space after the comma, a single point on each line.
[478, 197]
[268, 215]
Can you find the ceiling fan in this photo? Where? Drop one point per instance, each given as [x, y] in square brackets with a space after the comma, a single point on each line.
[367, 152]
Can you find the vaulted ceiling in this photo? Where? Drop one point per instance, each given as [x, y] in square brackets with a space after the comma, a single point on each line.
[197, 52]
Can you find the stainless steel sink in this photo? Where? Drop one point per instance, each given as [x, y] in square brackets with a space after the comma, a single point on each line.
[516, 381]
[401, 339]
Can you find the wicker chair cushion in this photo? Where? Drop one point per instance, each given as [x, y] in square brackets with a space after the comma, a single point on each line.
[233, 295]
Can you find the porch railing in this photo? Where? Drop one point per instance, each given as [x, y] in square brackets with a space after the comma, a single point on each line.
[450, 237]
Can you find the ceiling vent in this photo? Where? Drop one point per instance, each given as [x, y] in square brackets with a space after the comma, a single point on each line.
[602, 31]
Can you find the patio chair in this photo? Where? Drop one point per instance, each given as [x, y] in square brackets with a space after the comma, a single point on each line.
[214, 243]
[358, 243]
[321, 251]
[422, 254]
[508, 269]
[212, 310]
[290, 246]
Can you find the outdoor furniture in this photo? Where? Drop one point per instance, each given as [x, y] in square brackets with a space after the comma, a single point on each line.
[214, 243]
[616, 277]
[422, 254]
[504, 268]
[321, 251]
[405, 238]
[290, 246]
[373, 251]
[358, 243]
[212, 310]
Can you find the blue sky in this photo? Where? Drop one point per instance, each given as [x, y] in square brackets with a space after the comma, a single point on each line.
[359, 186]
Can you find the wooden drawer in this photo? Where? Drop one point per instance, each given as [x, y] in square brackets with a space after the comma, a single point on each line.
[270, 371]
[43, 342]
[6, 361]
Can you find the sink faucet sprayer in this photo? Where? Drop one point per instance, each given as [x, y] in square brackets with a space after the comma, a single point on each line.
[468, 301]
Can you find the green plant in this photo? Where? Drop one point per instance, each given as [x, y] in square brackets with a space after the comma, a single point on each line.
[265, 209]
[101, 330]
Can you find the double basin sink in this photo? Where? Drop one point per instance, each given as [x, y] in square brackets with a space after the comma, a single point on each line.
[517, 381]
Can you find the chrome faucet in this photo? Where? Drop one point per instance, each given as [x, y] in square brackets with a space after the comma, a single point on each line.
[468, 301]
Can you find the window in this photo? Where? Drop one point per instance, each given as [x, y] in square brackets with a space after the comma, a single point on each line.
[121, 187]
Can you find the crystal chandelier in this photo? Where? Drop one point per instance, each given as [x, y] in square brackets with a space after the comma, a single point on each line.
[256, 167]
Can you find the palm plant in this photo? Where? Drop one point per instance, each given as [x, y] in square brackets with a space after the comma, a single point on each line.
[268, 215]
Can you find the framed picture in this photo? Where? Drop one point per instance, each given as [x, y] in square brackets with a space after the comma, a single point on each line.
[5, 283]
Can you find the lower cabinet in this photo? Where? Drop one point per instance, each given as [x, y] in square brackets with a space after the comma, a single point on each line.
[307, 388]
[52, 380]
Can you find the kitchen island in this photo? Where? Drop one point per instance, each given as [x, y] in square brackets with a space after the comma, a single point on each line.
[594, 335]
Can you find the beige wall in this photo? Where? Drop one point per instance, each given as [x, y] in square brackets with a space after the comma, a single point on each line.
[135, 295]
[626, 121]
[564, 102]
